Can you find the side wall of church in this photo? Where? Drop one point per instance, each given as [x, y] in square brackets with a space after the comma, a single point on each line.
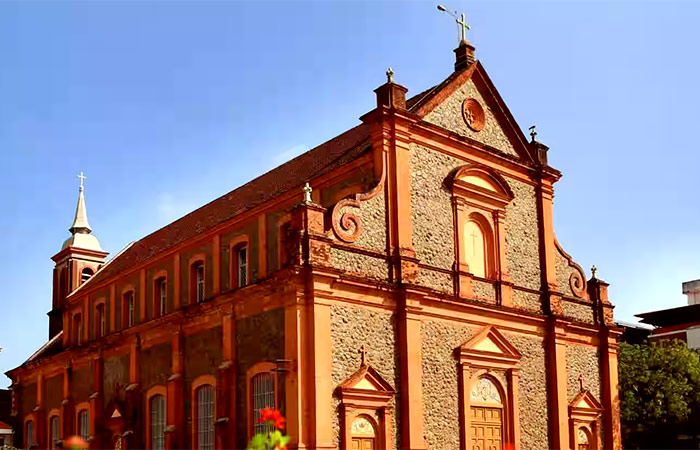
[353, 327]
[258, 338]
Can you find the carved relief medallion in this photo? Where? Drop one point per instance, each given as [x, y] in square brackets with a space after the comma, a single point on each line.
[473, 114]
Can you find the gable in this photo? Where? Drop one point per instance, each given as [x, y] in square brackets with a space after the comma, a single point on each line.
[366, 379]
[490, 340]
[490, 121]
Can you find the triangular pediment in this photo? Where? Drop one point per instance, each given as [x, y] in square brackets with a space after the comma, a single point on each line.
[468, 104]
[366, 379]
[586, 400]
[490, 340]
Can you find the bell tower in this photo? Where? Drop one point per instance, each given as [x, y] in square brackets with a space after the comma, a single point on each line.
[80, 257]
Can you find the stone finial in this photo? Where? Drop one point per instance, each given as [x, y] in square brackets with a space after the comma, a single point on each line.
[594, 271]
[389, 75]
[307, 193]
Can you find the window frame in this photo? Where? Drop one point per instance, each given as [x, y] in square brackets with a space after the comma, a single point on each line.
[80, 408]
[234, 247]
[160, 294]
[53, 414]
[196, 261]
[481, 195]
[258, 369]
[100, 325]
[128, 294]
[29, 437]
[82, 274]
[477, 360]
[197, 384]
[155, 391]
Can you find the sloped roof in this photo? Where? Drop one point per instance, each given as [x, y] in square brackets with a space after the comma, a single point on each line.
[318, 161]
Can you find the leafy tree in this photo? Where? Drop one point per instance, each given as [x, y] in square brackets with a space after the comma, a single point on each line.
[659, 389]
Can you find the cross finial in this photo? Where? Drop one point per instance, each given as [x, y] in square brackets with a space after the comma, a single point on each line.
[307, 193]
[389, 75]
[82, 180]
[594, 270]
[363, 356]
[461, 22]
[533, 133]
[580, 381]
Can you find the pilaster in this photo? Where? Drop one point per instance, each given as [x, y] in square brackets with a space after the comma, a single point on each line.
[175, 415]
[556, 384]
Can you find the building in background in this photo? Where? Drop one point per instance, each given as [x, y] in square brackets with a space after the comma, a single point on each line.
[681, 323]
[415, 298]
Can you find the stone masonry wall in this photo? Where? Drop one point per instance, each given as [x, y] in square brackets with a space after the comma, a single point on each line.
[441, 382]
[534, 422]
[433, 221]
[353, 327]
[583, 361]
[449, 116]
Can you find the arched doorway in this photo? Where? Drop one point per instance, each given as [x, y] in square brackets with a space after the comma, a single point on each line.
[363, 434]
[486, 421]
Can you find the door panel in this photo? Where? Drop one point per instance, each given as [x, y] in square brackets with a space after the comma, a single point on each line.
[486, 428]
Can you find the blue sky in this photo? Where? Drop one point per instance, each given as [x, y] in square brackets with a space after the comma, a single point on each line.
[166, 105]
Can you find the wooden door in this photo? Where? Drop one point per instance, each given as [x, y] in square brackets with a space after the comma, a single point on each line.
[362, 443]
[486, 428]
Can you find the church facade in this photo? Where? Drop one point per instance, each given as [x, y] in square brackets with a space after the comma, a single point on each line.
[397, 287]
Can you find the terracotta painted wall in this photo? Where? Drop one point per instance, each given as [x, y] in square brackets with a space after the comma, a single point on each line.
[155, 365]
[258, 338]
[115, 377]
[81, 384]
[353, 327]
[53, 388]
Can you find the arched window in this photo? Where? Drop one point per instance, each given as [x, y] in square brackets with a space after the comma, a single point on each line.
[84, 424]
[85, 274]
[242, 265]
[100, 321]
[157, 411]
[475, 252]
[77, 329]
[205, 417]
[262, 387]
[128, 310]
[54, 431]
[197, 287]
[29, 433]
[584, 439]
[480, 197]
[160, 297]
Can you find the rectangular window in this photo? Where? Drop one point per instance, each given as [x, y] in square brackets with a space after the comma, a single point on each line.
[205, 418]
[157, 404]
[242, 266]
[263, 388]
[101, 321]
[84, 424]
[163, 292]
[30, 434]
[77, 329]
[53, 424]
[131, 310]
[200, 282]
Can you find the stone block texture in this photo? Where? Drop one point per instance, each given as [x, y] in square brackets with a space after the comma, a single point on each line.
[353, 327]
[534, 422]
[441, 382]
[448, 115]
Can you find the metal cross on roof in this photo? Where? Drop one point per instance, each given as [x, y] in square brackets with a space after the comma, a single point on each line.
[461, 22]
[533, 133]
[82, 179]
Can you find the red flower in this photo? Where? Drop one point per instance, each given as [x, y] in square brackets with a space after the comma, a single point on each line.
[274, 416]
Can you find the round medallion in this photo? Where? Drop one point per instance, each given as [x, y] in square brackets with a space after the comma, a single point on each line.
[473, 114]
